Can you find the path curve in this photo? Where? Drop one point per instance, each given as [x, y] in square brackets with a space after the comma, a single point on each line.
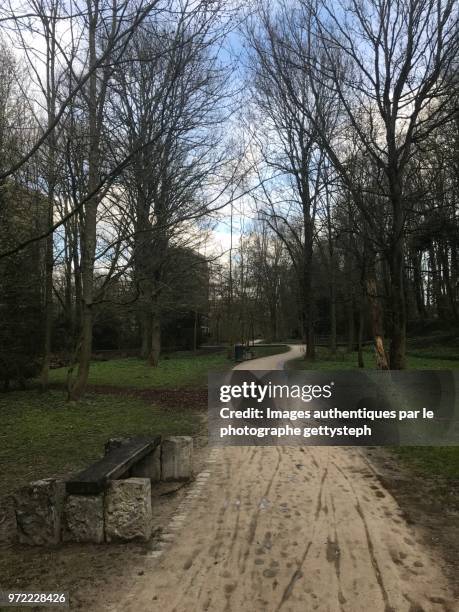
[290, 529]
[273, 362]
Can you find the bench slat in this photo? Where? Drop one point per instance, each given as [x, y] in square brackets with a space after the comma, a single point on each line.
[93, 480]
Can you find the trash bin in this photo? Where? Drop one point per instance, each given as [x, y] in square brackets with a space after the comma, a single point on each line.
[239, 352]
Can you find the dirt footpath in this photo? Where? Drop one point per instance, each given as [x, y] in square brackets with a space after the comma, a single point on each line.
[280, 528]
[273, 362]
[291, 529]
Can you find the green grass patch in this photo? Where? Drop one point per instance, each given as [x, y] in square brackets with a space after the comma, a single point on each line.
[434, 461]
[325, 361]
[42, 435]
[174, 371]
[177, 370]
[428, 460]
[446, 353]
[343, 360]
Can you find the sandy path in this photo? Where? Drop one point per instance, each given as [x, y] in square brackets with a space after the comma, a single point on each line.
[291, 529]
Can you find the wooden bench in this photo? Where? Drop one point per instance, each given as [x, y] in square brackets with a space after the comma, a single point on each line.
[116, 463]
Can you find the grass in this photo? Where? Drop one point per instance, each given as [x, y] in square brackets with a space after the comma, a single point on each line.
[434, 461]
[445, 353]
[174, 371]
[42, 435]
[424, 460]
[343, 360]
[182, 369]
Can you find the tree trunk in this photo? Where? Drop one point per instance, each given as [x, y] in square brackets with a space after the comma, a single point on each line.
[217, 329]
[376, 314]
[84, 356]
[78, 288]
[454, 266]
[307, 291]
[332, 313]
[273, 323]
[309, 334]
[195, 331]
[68, 298]
[436, 285]
[454, 276]
[143, 252]
[48, 321]
[155, 320]
[155, 351]
[350, 323]
[360, 361]
[418, 285]
[447, 283]
[397, 349]
[146, 334]
[89, 236]
[332, 279]
[51, 182]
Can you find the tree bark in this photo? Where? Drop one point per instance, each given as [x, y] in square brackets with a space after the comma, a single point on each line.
[397, 349]
[89, 236]
[447, 283]
[436, 285]
[376, 314]
[273, 322]
[398, 310]
[155, 350]
[416, 260]
[307, 282]
[360, 361]
[350, 323]
[50, 29]
[195, 331]
[48, 319]
[332, 292]
[146, 333]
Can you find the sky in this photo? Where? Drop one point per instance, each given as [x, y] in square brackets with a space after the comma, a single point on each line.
[219, 241]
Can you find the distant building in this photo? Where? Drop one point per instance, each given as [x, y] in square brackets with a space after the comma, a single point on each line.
[23, 215]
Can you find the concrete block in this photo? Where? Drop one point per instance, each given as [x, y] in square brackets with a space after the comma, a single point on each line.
[39, 509]
[149, 466]
[177, 458]
[83, 519]
[127, 510]
[8, 525]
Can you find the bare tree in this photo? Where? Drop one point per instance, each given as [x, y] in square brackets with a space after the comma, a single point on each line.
[169, 104]
[388, 63]
[291, 149]
[104, 22]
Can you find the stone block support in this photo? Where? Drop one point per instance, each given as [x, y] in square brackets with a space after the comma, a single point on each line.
[127, 510]
[84, 518]
[149, 466]
[177, 458]
[39, 509]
